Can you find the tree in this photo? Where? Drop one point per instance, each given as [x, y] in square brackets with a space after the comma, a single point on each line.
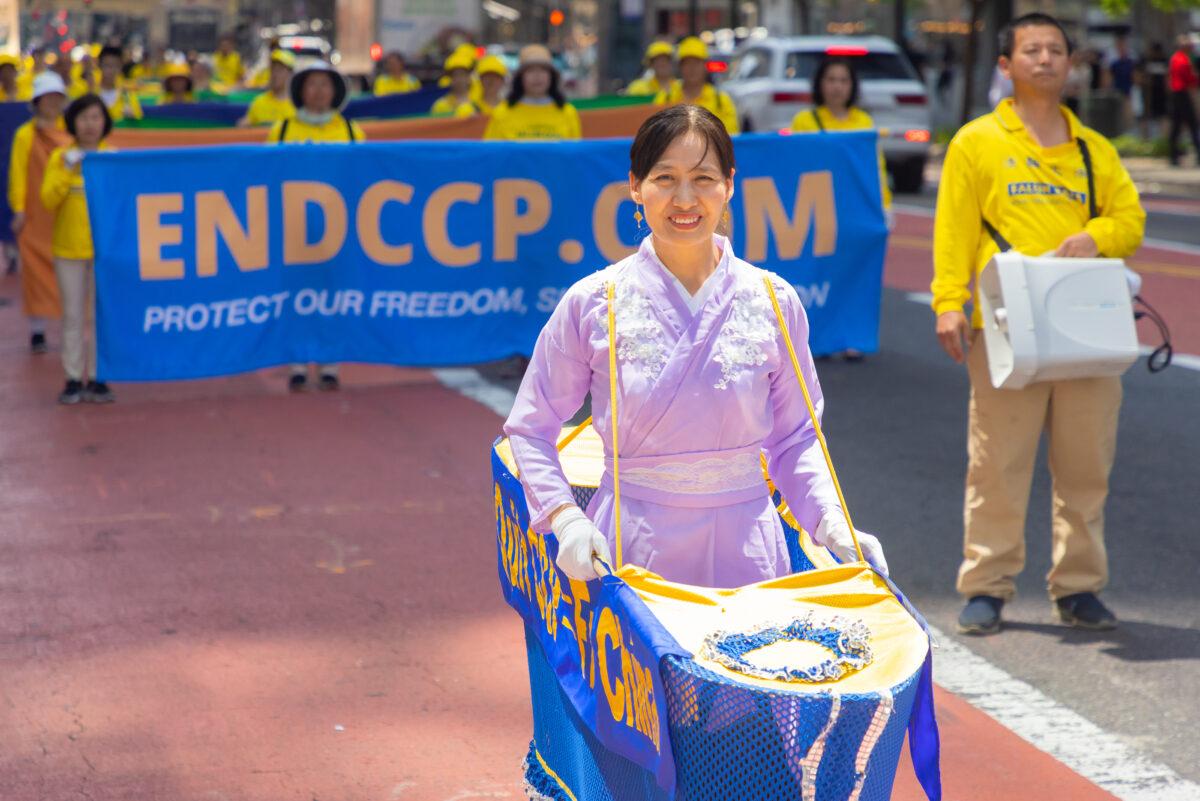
[1116, 8]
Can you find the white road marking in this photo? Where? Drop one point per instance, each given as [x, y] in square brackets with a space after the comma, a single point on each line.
[468, 381]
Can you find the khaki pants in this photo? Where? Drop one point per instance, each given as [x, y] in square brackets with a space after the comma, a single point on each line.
[1079, 417]
[77, 288]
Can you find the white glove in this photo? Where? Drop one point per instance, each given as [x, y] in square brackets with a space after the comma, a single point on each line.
[72, 157]
[578, 541]
[834, 534]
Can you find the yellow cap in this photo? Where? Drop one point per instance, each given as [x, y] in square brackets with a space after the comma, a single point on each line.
[491, 64]
[465, 50]
[10, 60]
[692, 47]
[176, 71]
[657, 49]
[458, 61]
[284, 57]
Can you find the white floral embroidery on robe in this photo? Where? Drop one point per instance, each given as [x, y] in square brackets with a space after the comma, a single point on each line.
[641, 339]
[742, 342]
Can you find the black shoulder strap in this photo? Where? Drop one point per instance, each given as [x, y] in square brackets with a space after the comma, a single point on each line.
[997, 237]
[817, 120]
[349, 129]
[1087, 165]
[283, 129]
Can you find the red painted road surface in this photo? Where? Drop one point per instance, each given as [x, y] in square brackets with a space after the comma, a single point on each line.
[215, 590]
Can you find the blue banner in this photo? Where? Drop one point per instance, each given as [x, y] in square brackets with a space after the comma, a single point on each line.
[211, 261]
[12, 116]
[604, 644]
[364, 107]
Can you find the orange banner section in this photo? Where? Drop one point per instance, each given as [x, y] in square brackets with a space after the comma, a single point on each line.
[39, 287]
[597, 124]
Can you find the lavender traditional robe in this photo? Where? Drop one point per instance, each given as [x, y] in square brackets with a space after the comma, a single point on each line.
[700, 395]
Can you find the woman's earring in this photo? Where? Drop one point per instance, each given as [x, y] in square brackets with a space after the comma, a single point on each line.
[725, 218]
[637, 216]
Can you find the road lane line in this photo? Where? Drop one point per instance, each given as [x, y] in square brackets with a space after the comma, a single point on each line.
[1081, 745]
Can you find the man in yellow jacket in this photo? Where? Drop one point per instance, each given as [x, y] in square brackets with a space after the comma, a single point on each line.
[457, 102]
[693, 86]
[1043, 183]
[396, 79]
[275, 103]
[227, 62]
[660, 61]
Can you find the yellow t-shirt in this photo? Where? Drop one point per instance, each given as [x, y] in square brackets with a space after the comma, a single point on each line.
[1035, 197]
[820, 119]
[268, 108]
[644, 86]
[534, 121]
[227, 68]
[451, 106]
[25, 85]
[62, 193]
[337, 129]
[387, 85]
[18, 164]
[122, 104]
[21, 91]
[710, 98]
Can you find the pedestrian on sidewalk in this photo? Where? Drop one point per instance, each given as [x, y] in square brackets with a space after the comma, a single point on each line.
[319, 93]
[88, 122]
[1154, 91]
[1024, 175]
[1182, 80]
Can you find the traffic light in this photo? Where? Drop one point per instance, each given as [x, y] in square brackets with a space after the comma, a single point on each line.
[556, 17]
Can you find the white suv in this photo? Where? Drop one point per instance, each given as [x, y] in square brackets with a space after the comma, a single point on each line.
[770, 80]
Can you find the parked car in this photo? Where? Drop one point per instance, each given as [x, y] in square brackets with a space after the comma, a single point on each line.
[770, 80]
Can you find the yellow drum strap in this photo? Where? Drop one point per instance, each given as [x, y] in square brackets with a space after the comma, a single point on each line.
[612, 411]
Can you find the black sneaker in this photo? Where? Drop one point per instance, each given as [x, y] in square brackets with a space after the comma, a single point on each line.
[329, 383]
[98, 392]
[72, 393]
[298, 382]
[37, 343]
[981, 615]
[1084, 610]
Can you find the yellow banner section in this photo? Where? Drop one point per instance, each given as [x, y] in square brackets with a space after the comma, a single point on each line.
[597, 124]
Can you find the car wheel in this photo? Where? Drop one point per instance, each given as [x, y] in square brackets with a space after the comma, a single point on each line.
[909, 176]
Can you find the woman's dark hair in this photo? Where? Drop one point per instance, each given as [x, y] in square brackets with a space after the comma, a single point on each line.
[1008, 36]
[659, 131]
[517, 91]
[819, 95]
[82, 104]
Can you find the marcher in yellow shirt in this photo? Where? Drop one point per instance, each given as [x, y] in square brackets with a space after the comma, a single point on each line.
[396, 79]
[659, 60]
[835, 93]
[11, 87]
[492, 74]
[275, 104]
[1045, 184]
[227, 62]
[318, 92]
[536, 107]
[122, 104]
[88, 122]
[35, 65]
[176, 85]
[693, 86]
[85, 78]
[457, 102]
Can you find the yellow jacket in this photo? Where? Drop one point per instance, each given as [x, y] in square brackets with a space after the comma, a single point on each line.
[710, 98]
[450, 106]
[534, 121]
[227, 68]
[18, 164]
[820, 119]
[268, 108]
[22, 91]
[124, 106]
[62, 192]
[644, 86]
[1036, 197]
[387, 85]
[294, 130]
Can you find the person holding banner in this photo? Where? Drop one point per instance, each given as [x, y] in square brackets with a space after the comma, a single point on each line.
[695, 329]
[31, 142]
[122, 104]
[227, 62]
[275, 103]
[659, 61]
[492, 75]
[693, 86]
[88, 121]
[536, 107]
[176, 85]
[1031, 178]
[319, 92]
[10, 84]
[396, 79]
[457, 102]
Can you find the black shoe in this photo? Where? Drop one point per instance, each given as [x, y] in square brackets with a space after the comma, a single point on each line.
[853, 356]
[98, 392]
[981, 615]
[1084, 610]
[37, 343]
[329, 383]
[298, 382]
[72, 393]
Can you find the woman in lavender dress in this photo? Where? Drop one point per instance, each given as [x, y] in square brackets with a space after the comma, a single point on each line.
[705, 385]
